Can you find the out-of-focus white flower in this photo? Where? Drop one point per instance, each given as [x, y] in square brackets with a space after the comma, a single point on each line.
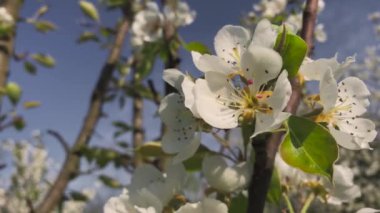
[294, 24]
[375, 16]
[343, 103]
[5, 17]
[205, 206]
[320, 34]
[147, 25]
[342, 191]
[270, 8]
[178, 112]
[75, 206]
[223, 177]
[149, 190]
[179, 13]
[368, 210]
[119, 204]
[321, 5]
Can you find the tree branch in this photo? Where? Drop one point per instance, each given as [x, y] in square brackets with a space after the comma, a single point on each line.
[137, 121]
[60, 139]
[265, 151]
[7, 42]
[72, 163]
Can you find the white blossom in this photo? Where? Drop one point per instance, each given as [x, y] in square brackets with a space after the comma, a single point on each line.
[179, 13]
[179, 114]
[205, 206]
[221, 102]
[235, 79]
[368, 210]
[270, 8]
[341, 190]
[147, 26]
[223, 177]
[6, 18]
[343, 103]
[149, 191]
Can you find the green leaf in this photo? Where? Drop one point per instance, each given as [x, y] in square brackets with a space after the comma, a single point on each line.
[87, 36]
[31, 104]
[42, 11]
[44, 60]
[44, 26]
[30, 68]
[292, 49]
[197, 47]
[238, 204]
[13, 91]
[110, 182]
[78, 196]
[309, 147]
[275, 190]
[194, 163]
[89, 10]
[111, 4]
[150, 149]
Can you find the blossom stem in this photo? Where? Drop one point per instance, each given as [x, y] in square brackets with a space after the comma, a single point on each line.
[288, 203]
[307, 203]
[265, 150]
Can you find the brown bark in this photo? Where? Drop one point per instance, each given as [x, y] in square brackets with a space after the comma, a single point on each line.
[138, 128]
[71, 165]
[265, 150]
[7, 42]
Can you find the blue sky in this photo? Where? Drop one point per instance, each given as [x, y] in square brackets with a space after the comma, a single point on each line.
[64, 91]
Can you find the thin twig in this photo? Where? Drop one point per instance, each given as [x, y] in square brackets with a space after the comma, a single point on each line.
[60, 139]
[265, 151]
[156, 95]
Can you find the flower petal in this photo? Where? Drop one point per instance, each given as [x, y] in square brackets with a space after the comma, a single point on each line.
[269, 122]
[188, 91]
[344, 190]
[180, 122]
[354, 88]
[264, 34]
[315, 70]
[281, 93]
[230, 42]
[206, 205]
[189, 149]
[344, 139]
[261, 64]
[119, 204]
[143, 176]
[173, 112]
[206, 63]
[211, 109]
[328, 89]
[174, 78]
[223, 177]
[363, 130]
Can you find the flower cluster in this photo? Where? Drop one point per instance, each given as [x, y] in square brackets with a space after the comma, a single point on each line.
[292, 18]
[150, 21]
[245, 85]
